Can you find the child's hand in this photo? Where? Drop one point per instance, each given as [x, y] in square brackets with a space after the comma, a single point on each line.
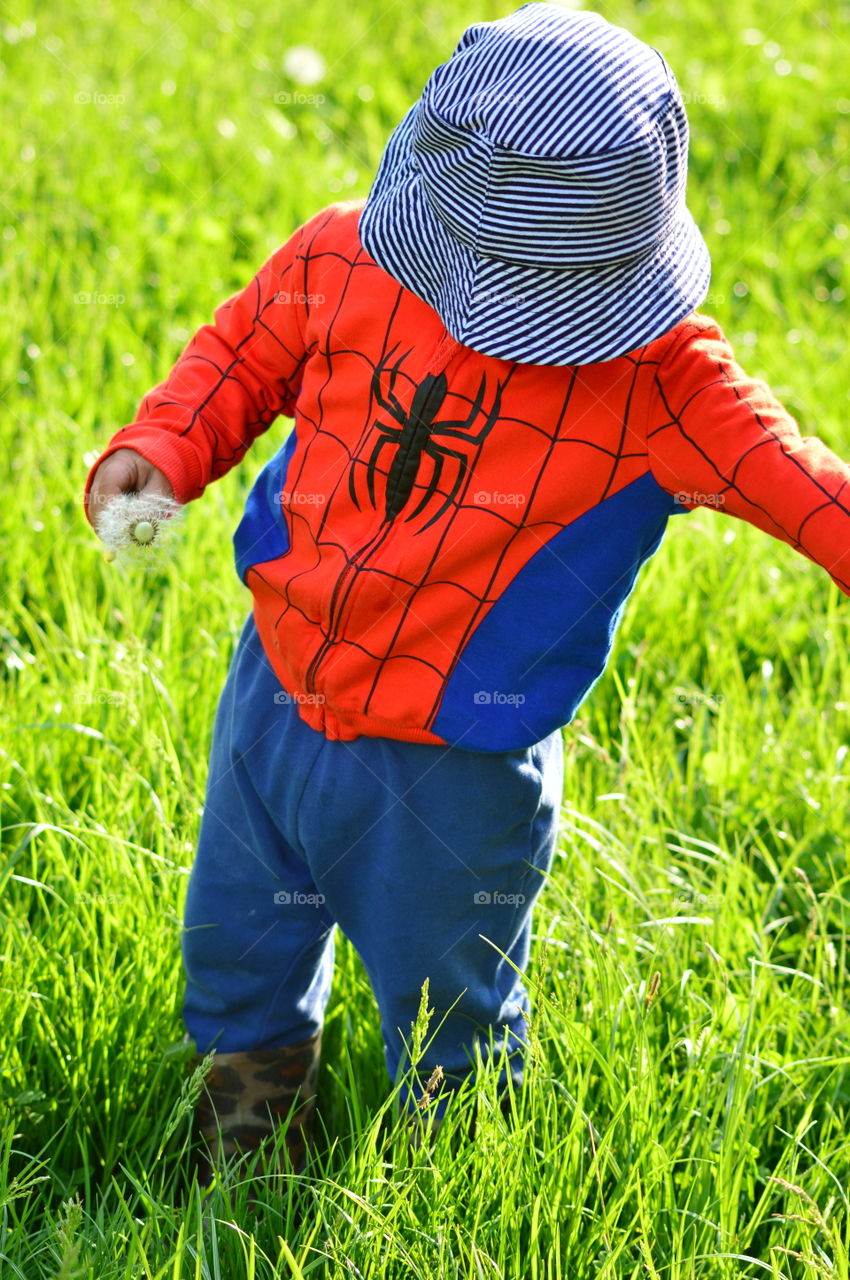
[125, 471]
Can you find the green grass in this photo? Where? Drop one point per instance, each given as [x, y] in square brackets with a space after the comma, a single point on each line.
[688, 1092]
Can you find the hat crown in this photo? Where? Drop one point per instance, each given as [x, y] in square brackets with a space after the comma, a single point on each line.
[552, 137]
[534, 196]
[525, 81]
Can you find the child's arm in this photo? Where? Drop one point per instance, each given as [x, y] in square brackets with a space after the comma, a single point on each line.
[232, 380]
[719, 438]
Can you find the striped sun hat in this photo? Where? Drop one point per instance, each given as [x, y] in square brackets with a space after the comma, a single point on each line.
[534, 196]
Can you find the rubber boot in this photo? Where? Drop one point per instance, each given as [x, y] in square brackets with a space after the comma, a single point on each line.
[246, 1097]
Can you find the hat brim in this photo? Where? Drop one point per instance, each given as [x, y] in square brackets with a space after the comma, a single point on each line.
[558, 316]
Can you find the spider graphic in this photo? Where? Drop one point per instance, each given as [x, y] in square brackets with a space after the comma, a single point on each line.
[418, 432]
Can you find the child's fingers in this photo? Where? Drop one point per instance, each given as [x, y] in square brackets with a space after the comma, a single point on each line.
[116, 474]
[125, 471]
[152, 480]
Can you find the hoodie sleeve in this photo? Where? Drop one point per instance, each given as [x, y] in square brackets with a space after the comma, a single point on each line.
[232, 380]
[719, 438]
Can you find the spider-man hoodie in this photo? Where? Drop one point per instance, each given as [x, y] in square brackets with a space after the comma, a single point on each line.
[442, 548]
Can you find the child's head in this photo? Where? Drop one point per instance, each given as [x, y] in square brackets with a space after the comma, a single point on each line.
[535, 194]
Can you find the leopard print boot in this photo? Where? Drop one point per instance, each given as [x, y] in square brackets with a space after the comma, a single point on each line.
[247, 1096]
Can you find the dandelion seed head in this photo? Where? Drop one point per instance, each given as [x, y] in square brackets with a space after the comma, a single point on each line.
[143, 531]
[138, 529]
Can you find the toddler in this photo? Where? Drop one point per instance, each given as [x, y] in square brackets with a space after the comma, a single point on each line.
[502, 389]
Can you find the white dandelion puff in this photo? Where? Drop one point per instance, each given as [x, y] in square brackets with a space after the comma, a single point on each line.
[138, 528]
[304, 64]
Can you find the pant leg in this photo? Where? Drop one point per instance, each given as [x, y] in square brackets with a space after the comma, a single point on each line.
[258, 938]
[427, 856]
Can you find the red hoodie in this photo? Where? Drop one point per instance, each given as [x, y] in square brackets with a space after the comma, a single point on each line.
[442, 548]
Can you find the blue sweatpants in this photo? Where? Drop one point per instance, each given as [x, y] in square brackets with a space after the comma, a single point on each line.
[428, 858]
